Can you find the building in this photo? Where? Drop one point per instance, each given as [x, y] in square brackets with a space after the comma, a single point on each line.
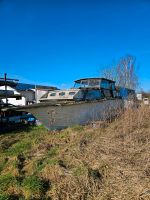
[33, 92]
[15, 98]
[21, 94]
[139, 96]
[144, 97]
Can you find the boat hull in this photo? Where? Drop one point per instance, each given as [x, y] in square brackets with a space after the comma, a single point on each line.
[59, 116]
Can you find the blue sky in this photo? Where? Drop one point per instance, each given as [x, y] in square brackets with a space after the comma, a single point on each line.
[57, 41]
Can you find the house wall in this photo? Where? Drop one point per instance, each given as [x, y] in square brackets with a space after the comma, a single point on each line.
[29, 95]
[139, 96]
[14, 101]
[9, 88]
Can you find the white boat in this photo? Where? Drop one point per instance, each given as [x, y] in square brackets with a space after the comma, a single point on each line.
[91, 99]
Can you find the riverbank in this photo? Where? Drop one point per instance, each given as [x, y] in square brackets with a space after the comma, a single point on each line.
[101, 161]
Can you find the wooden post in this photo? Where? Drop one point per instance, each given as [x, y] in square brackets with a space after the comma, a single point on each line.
[35, 93]
[5, 78]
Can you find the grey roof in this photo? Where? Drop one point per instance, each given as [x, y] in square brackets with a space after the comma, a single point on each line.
[9, 82]
[84, 79]
[24, 86]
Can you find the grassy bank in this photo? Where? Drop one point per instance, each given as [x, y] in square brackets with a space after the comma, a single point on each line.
[102, 161]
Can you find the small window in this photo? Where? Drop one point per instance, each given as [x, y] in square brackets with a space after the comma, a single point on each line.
[62, 94]
[85, 83]
[72, 93]
[53, 94]
[95, 83]
[18, 98]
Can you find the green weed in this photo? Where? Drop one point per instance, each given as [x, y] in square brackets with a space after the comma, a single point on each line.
[3, 164]
[52, 161]
[4, 197]
[6, 181]
[33, 184]
[53, 152]
[77, 128]
[79, 171]
[19, 148]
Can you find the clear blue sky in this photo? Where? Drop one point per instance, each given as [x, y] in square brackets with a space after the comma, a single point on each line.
[57, 41]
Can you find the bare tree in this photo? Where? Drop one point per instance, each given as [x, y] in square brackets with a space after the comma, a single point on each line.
[124, 72]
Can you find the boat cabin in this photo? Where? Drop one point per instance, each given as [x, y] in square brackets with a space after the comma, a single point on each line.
[96, 88]
[87, 89]
[95, 83]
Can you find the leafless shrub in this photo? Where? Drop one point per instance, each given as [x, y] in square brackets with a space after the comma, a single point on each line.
[124, 72]
[135, 118]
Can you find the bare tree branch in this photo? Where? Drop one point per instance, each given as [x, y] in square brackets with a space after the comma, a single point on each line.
[124, 72]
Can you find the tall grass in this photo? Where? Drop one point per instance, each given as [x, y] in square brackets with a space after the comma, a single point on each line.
[107, 161]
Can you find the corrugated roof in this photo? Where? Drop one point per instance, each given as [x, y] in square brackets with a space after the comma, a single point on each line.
[24, 86]
[9, 83]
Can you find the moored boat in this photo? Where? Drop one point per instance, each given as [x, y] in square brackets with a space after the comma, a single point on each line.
[90, 99]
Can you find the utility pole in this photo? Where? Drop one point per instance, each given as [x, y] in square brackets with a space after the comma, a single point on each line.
[35, 93]
[5, 79]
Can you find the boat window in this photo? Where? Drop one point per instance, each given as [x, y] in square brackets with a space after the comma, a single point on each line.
[72, 93]
[77, 85]
[44, 96]
[113, 86]
[53, 94]
[105, 84]
[84, 83]
[107, 93]
[93, 94]
[95, 83]
[88, 83]
[62, 94]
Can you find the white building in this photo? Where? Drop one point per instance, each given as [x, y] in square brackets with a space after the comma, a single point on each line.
[24, 94]
[143, 98]
[139, 96]
[15, 99]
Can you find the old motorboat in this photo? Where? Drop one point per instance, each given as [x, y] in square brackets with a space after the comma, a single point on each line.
[90, 99]
[88, 89]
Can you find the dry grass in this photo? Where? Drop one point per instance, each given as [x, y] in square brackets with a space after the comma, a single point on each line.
[102, 161]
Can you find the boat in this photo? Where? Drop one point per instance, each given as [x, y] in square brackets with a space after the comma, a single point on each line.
[90, 99]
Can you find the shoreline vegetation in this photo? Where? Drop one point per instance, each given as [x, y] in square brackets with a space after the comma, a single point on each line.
[100, 161]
